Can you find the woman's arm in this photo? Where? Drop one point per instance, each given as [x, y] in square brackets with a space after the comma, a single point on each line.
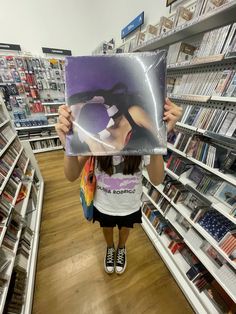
[156, 169]
[73, 166]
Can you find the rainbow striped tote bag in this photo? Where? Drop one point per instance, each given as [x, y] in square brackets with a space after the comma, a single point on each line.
[88, 188]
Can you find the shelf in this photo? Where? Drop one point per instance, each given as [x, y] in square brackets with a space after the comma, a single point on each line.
[53, 103]
[9, 272]
[51, 114]
[31, 268]
[226, 140]
[221, 138]
[223, 209]
[219, 17]
[171, 147]
[3, 123]
[202, 98]
[222, 98]
[184, 211]
[40, 138]
[200, 254]
[10, 268]
[36, 127]
[190, 97]
[48, 149]
[186, 126]
[26, 165]
[198, 62]
[226, 177]
[212, 268]
[152, 201]
[32, 263]
[171, 173]
[178, 268]
[10, 171]
[7, 145]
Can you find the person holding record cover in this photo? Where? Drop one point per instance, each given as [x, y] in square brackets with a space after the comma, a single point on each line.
[117, 104]
[117, 200]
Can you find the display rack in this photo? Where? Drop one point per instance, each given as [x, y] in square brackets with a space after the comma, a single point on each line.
[33, 88]
[27, 207]
[225, 275]
[219, 17]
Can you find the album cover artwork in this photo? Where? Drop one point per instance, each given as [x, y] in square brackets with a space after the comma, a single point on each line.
[117, 104]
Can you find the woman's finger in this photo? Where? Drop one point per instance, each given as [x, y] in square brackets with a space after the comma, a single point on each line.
[62, 128]
[64, 121]
[65, 111]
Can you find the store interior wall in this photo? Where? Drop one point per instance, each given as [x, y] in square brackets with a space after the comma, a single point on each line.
[78, 25]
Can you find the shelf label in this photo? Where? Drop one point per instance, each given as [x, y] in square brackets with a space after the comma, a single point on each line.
[56, 51]
[12, 47]
[138, 21]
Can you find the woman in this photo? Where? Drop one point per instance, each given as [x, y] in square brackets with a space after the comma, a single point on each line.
[117, 199]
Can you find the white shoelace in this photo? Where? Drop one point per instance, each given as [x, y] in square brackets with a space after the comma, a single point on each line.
[120, 256]
[110, 255]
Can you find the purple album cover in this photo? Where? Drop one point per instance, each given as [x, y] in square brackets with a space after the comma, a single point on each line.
[117, 103]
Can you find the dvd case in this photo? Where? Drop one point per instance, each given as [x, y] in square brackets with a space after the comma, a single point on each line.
[117, 104]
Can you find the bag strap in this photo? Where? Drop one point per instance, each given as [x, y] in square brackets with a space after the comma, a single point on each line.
[92, 164]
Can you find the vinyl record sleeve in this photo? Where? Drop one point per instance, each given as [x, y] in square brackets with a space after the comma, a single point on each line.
[117, 104]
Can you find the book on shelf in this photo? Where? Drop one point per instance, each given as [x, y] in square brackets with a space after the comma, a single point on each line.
[151, 32]
[176, 246]
[196, 271]
[139, 38]
[165, 25]
[210, 5]
[204, 83]
[213, 254]
[216, 224]
[182, 16]
[180, 52]
[228, 244]
[183, 222]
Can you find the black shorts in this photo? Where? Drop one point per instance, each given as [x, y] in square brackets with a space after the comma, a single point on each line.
[120, 221]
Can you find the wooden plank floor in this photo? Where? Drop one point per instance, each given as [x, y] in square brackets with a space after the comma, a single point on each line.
[70, 278]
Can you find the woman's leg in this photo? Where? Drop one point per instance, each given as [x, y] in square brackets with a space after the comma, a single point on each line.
[123, 236]
[109, 260]
[121, 258]
[108, 235]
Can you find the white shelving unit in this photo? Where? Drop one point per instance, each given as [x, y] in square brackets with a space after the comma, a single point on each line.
[35, 127]
[178, 268]
[177, 265]
[21, 208]
[59, 103]
[227, 177]
[40, 138]
[219, 17]
[51, 114]
[42, 150]
[185, 212]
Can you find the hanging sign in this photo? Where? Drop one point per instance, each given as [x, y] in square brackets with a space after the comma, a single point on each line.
[137, 22]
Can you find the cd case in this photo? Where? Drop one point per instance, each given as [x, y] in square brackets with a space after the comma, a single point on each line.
[117, 104]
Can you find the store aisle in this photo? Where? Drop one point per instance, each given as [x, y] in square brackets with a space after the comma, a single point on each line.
[70, 278]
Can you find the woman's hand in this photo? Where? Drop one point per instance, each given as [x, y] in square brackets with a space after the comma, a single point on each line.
[64, 123]
[172, 114]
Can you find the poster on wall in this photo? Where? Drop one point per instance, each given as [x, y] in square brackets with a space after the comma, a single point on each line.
[117, 104]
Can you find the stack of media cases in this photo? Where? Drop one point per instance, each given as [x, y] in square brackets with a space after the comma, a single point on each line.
[32, 89]
[191, 217]
[21, 196]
